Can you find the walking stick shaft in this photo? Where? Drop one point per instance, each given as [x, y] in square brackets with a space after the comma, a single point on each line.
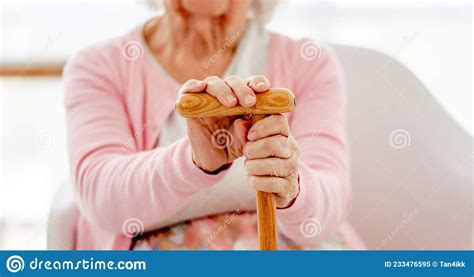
[266, 211]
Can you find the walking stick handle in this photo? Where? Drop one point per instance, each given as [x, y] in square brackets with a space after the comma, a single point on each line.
[200, 104]
[273, 101]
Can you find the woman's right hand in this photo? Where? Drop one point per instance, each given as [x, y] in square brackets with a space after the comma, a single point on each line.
[217, 141]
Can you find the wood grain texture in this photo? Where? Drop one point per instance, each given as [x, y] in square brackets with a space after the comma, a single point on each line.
[267, 230]
[201, 104]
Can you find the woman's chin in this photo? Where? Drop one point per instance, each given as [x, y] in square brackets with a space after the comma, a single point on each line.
[205, 8]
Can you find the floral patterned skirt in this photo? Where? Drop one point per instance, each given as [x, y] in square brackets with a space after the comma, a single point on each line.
[230, 231]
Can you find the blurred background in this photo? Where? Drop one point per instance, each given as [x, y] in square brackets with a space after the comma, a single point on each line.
[431, 37]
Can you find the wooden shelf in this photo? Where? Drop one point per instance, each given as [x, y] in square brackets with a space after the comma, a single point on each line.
[46, 70]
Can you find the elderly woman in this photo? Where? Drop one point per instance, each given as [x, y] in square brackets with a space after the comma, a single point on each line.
[147, 179]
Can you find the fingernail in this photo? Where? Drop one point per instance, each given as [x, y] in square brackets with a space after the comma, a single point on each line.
[231, 99]
[261, 84]
[252, 135]
[249, 99]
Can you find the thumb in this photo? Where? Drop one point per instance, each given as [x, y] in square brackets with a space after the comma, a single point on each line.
[239, 130]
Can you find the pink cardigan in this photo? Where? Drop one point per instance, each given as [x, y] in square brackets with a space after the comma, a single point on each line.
[116, 105]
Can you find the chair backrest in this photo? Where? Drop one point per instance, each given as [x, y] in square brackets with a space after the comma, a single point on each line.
[62, 220]
[411, 162]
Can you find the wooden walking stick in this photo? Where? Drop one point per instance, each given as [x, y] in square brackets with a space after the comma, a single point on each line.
[274, 101]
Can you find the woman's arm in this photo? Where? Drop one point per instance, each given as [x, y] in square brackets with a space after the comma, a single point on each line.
[318, 126]
[115, 181]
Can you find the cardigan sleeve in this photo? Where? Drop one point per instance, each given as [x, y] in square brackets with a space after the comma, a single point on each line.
[318, 126]
[113, 180]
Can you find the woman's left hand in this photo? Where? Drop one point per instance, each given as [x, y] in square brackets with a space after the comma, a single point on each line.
[272, 159]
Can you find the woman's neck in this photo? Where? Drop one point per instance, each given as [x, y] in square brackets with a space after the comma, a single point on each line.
[192, 47]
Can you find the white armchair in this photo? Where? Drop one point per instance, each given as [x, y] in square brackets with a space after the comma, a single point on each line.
[411, 163]
[62, 220]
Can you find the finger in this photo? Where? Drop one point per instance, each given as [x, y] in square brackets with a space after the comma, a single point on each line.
[270, 184]
[240, 128]
[269, 126]
[245, 94]
[258, 83]
[193, 85]
[275, 146]
[284, 190]
[276, 167]
[219, 89]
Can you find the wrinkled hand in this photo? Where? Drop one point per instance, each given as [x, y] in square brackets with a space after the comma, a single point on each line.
[218, 141]
[272, 159]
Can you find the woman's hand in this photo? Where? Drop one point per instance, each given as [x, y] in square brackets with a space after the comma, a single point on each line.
[272, 159]
[218, 141]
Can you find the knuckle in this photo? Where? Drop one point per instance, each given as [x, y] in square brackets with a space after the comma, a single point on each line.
[233, 78]
[190, 82]
[293, 165]
[212, 79]
[275, 119]
[280, 169]
[249, 166]
[225, 92]
[242, 92]
[247, 90]
[187, 85]
[264, 124]
[267, 146]
[281, 140]
[251, 80]
[288, 168]
[281, 121]
[222, 91]
[282, 187]
[296, 149]
[285, 186]
[285, 148]
[255, 182]
[284, 168]
[280, 145]
[247, 150]
[246, 163]
[281, 118]
[251, 180]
